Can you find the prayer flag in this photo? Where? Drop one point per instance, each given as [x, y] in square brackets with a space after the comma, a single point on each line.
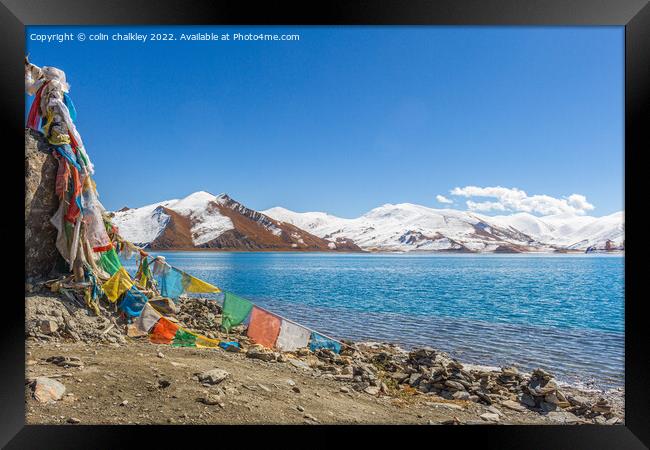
[133, 302]
[175, 282]
[193, 284]
[264, 327]
[163, 332]
[110, 262]
[184, 338]
[171, 283]
[147, 319]
[235, 310]
[320, 341]
[204, 342]
[292, 337]
[117, 285]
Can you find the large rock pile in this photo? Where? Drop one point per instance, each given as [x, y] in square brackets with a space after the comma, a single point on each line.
[384, 368]
[200, 315]
[50, 317]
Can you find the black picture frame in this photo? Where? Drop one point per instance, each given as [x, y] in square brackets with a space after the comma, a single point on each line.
[634, 15]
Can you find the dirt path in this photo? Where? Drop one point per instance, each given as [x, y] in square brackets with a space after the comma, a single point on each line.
[119, 384]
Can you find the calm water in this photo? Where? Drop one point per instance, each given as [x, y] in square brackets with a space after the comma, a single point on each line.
[564, 313]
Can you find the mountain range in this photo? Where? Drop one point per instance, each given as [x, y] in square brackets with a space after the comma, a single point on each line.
[205, 221]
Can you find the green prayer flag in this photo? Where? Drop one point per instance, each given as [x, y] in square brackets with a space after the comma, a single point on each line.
[184, 339]
[110, 262]
[235, 310]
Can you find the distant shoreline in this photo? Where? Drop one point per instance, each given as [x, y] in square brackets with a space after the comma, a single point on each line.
[383, 252]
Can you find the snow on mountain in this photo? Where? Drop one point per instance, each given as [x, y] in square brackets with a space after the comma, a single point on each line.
[604, 233]
[405, 227]
[569, 231]
[142, 225]
[203, 220]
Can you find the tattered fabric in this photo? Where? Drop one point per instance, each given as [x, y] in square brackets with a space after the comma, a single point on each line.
[292, 337]
[264, 327]
[317, 341]
[110, 262]
[133, 302]
[163, 332]
[235, 310]
[184, 338]
[117, 285]
[147, 318]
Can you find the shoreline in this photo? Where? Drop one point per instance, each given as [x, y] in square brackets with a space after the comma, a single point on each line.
[380, 379]
[386, 252]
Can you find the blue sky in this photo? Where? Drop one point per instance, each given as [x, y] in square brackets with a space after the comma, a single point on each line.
[350, 118]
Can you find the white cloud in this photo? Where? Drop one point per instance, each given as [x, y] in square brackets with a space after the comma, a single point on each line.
[485, 206]
[443, 199]
[513, 199]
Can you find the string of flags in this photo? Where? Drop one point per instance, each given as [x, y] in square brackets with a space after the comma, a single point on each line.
[91, 244]
[263, 327]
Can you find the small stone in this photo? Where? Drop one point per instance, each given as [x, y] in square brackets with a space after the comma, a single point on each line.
[160, 355]
[163, 383]
[528, 400]
[258, 353]
[264, 388]
[296, 389]
[73, 420]
[600, 420]
[310, 417]
[290, 382]
[48, 326]
[490, 417]
[299, 364]
[345, 389]
[300, 408]
[211, 399]
[124, 403]
[372, 390]
[494, 410]
[563, 417]
[461, 395]
[454, 385]
[513, 405]
[214, 376]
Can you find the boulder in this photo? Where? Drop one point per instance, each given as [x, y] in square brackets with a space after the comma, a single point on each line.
[47, 390]
[41, 204]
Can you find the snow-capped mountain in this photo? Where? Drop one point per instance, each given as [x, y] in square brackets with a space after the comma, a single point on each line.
[406, 227]
[570, 231]
[203, 220]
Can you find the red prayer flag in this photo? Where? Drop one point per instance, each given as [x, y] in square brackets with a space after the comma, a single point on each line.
[264, 327]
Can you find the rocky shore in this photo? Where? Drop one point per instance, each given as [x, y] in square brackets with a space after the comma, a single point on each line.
[83, 368]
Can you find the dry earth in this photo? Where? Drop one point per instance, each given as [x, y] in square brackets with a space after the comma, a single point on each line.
[119, 384]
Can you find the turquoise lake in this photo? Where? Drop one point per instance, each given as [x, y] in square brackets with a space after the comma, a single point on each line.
[564, 313]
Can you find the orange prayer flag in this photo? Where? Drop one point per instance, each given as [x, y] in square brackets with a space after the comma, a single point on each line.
[264, 327]
[163, 332]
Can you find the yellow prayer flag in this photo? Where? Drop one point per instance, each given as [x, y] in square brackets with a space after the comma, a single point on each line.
[204, 342]
[199, 286]
[118, 284]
